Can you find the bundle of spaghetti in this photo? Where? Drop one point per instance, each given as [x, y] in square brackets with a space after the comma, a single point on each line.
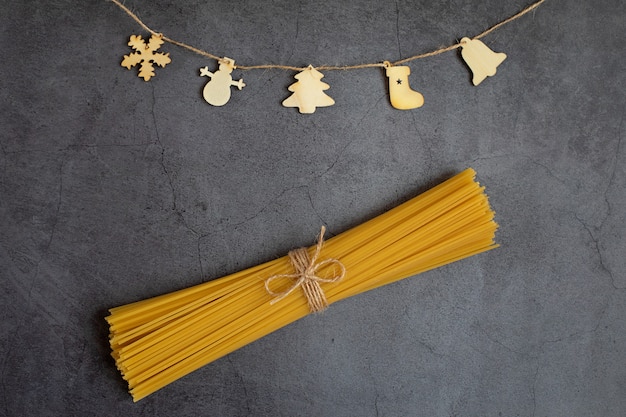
[162, 339]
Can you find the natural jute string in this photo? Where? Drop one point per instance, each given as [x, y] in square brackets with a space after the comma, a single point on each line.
[306, 268]
[328, 67]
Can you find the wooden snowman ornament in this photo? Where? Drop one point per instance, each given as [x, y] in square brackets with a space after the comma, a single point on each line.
[217, 91]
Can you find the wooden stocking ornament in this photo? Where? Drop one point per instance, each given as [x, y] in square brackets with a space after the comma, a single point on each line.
[401, 96]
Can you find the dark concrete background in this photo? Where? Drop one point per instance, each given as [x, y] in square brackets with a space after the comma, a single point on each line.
[113, 190]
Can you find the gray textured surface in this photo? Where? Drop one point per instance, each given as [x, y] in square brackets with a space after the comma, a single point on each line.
[113, 190]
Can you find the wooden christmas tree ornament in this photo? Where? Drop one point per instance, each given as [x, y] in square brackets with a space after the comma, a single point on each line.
[401, 95]
[217, 91]
[482, 61]
[308, 92]
[146, 55]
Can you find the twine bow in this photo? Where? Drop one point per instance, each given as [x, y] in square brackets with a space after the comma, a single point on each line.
[306, 268]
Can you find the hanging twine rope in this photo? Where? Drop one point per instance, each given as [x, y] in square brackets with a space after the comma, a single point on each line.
[306, 277]
[328, 67]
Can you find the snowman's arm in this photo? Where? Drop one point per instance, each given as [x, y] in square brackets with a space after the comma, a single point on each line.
[204, 72]
[239, 84]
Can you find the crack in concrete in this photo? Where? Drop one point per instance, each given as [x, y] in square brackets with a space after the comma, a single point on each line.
[376, 407]
[243, 384]
[5, 364]
[609, 208]
[55, 221]
[349, 143]
[547, 169]
[501, 344]
[198, 243]
[574, 335]
[177, 212]
[598, 249]
[308, 191]
[579, 333]
[533, 391]
[201, 236]
[78, 146]
[162, 147]
[425, 145]
[297, 34]
[3, 164]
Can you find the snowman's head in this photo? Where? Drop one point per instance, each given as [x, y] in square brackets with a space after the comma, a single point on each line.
[227, 64]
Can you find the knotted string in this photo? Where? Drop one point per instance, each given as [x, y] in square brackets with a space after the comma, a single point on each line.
[306, 277]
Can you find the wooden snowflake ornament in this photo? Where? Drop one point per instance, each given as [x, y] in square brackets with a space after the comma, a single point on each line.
[308, 92]
[145, 53]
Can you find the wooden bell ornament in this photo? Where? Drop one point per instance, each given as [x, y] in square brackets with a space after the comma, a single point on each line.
[481, 60]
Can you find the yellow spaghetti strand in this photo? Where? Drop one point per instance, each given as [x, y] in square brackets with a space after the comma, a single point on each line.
[159, 340]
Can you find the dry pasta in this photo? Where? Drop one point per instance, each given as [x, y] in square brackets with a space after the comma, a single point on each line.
[159, 340]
